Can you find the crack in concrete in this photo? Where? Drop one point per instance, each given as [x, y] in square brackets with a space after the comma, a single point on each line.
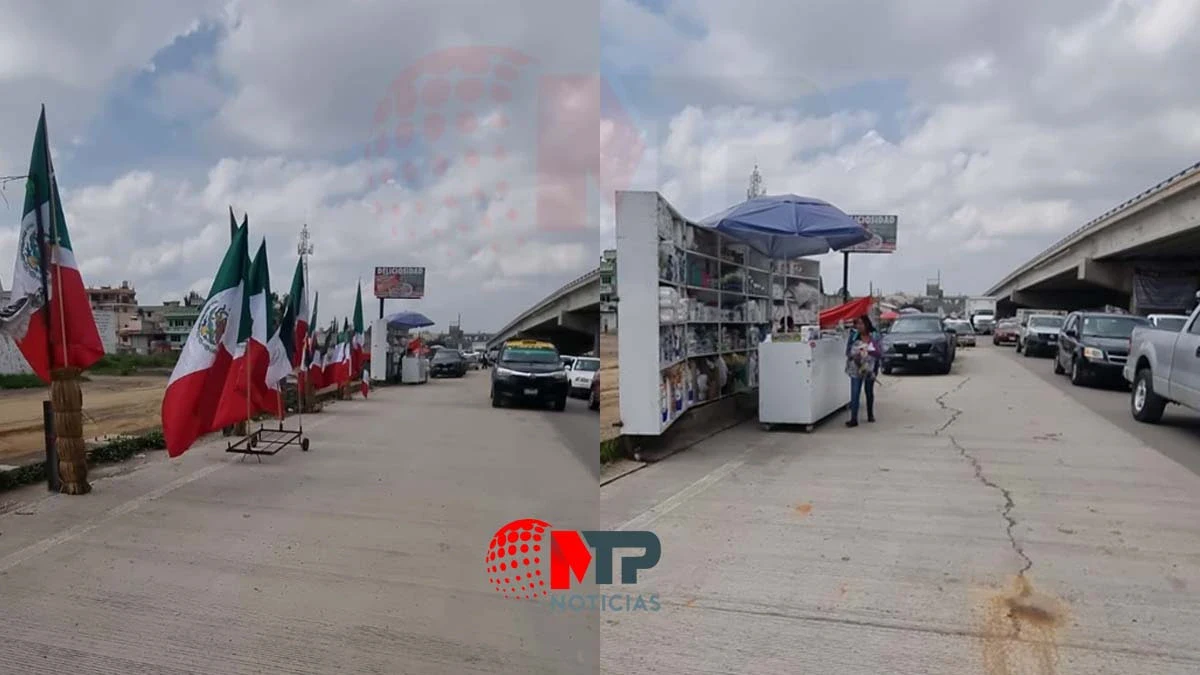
[1009, 504]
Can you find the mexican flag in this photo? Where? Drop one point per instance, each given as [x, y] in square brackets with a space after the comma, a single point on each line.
[356, 341]
[49, 315]
[237, 397]
[345, 368]
[294, 328]
[314, 365]
[194, 393]
[329, 355]
[270, 363]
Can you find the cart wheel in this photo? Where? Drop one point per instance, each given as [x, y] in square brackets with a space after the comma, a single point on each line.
[252, 441]
[808, 428]
[304, 444]
[767, 427]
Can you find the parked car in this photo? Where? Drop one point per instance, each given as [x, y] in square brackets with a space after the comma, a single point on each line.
[1171, 322]
[594, 397]
[582, 372]
[529, 371]
[918, 342]
[964, 332]
[1164, 367]
[1094, 346]
[447, 363]
[1006, 332]
[1039, 335]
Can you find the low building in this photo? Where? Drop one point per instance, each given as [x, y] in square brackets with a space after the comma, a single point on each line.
[178, 317]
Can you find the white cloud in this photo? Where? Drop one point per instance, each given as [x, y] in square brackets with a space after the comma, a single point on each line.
[1023, 121]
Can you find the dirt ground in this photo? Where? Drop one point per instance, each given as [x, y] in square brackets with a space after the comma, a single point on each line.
[111, 405]
[610, 406]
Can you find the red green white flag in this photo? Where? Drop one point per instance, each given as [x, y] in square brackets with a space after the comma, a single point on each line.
[193, 398]
[49, 315]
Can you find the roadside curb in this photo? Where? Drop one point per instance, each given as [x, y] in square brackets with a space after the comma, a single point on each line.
[633, 466]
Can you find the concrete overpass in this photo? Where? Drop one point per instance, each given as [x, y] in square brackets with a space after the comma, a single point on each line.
[569, 317]
[1096, 264]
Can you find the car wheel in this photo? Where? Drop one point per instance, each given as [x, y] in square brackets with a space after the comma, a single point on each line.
[945, 369]
[1077, 373]
[1027, 353]
[1146, 405]
[1058, 369]
[887, 370]
[495, 399]
[560, 404]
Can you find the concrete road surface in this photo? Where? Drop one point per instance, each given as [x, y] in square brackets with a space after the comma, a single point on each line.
[364, 555]
[1177, 436]
[986, 524]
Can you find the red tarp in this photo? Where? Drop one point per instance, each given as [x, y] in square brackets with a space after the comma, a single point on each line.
[847, 312]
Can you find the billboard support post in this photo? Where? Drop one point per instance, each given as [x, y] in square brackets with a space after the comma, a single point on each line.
[883, 240]
[381, 308]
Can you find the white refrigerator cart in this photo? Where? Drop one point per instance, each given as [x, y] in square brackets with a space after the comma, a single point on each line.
[802, 381]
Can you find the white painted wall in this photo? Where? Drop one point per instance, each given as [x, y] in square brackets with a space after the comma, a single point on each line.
[107, 323]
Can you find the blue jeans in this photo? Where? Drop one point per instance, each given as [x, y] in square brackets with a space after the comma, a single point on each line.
[857, 385]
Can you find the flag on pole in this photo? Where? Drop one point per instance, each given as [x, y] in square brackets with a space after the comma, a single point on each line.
[345, 372]
[237, 397]
[276, 364]
[356, 341]
[294, 328]
[194, 392]
[328, 355]
[314, 364]
[49, 315]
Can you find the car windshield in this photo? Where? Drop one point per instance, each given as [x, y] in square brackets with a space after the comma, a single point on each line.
[960, 326]
[1174, 323]
[587, 364]
[1045, 322]
[917, 324]
[444, 355]
[1111, 326]
[530, 355]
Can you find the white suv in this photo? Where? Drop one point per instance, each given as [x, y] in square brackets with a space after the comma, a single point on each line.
[583, 369]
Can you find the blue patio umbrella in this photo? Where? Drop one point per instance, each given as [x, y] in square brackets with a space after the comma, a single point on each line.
[788, 226]
[407, 321]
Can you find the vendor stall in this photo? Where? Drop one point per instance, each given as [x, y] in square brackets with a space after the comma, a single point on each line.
[803, 362]
[696, 303]
[392, 337]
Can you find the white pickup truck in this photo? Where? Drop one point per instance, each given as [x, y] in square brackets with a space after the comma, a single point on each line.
[1164, 367]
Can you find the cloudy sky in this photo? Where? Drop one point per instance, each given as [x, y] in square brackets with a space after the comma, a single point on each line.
[462, 136]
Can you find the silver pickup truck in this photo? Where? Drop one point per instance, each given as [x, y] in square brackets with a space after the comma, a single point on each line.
[1164, 367]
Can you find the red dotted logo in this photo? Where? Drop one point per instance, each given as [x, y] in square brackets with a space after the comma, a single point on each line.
[514, 559]
[475, 145]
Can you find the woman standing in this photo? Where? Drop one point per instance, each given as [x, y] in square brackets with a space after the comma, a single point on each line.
[862, 365]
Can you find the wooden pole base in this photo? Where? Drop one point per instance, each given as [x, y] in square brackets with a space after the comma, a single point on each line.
[67, 399]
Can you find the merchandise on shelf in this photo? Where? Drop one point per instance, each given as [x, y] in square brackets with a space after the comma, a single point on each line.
[671, 344]
[715, 302]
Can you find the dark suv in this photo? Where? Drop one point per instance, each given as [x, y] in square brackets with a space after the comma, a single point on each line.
[529, 371]
[918, 342]
[1095, 346]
